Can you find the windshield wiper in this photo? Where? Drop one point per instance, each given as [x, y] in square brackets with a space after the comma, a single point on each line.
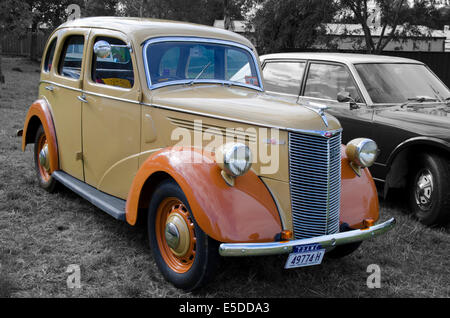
[418, 99]
[200, 74]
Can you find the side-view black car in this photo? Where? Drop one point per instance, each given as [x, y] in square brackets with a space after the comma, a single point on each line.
[399, 103]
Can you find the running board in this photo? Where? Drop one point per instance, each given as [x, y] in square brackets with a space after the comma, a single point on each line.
[111, 205]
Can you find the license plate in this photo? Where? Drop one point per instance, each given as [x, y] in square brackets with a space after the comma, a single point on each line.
[305, 255]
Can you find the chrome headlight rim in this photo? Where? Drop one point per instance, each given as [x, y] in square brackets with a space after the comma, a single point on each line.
[362, 151]
[229, 158]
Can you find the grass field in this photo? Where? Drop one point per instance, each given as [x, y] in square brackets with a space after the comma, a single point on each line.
[41, 234]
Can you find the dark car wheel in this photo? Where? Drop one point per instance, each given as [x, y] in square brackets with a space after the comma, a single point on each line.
[184, 254]
[429, 189]
[42, 161]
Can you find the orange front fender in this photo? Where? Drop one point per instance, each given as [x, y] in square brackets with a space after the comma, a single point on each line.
[243, 213]
[39, 113]
[359, 197]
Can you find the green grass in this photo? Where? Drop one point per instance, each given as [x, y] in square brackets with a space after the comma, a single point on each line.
[41, 234]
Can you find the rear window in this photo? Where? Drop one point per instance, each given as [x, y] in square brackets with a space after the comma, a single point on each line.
[72, 57]
[48, 62]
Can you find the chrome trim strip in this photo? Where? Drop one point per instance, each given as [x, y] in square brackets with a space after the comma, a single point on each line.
[199, 40]
[92, 93]
[309, 132]
[327, 242]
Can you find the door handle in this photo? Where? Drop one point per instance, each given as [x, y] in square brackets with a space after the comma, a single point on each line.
[50, 88]
[82, 98]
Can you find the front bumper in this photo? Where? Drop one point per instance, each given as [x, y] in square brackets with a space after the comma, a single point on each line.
[328, 242]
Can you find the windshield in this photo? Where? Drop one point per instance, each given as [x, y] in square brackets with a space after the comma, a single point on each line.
[189, 62]
[401, 83]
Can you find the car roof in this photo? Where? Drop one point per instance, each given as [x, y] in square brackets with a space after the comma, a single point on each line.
[141, 29]
[346, 58]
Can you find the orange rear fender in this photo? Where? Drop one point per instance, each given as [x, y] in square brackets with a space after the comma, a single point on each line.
[243, 213]
[39, 114]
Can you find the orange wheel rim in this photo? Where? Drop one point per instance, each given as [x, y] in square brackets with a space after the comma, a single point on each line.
[170, 208]
[42, 142]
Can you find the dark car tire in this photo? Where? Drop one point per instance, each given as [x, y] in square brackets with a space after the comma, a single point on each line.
[45, 180]
[188, 270]
[429, 189]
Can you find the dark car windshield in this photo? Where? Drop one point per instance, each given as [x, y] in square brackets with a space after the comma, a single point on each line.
[192, 62]
[401, 83]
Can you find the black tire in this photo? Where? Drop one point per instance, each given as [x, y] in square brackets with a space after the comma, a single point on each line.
[206, 259]
[48, 184]
[429, 189]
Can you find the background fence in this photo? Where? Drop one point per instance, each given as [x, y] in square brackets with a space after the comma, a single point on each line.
[21, 46]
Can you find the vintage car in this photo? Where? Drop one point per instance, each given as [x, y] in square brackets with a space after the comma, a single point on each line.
[399, 103]
[168, 124]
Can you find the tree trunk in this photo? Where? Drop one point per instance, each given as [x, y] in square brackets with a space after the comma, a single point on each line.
[2, 77]
[33, 42]
[226, 16]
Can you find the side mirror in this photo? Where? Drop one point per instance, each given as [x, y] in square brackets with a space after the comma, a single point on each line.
[345, 97]
[102, 49]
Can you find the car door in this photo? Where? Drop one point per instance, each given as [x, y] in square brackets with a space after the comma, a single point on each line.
[111, 115]
[64, 89]
[322, 83]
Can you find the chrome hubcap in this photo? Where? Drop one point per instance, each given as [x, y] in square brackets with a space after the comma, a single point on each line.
[43, 158]
[177, 234]
[424, 189]
[172, 235]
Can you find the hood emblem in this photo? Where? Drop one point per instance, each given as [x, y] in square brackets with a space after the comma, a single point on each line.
[319, 109]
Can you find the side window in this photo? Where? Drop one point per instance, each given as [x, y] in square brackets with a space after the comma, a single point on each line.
[117, 68]
[284, 77]
[72, 56]
[326, 81]
[48, 61]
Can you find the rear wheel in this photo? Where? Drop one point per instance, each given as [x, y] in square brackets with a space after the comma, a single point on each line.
[42, 161]
[429, 189]
[185, 255]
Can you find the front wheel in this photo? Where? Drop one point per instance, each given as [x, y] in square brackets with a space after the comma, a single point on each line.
[184, 254]
[429, 189]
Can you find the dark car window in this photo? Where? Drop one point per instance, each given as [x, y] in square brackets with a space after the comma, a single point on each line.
[72, 57]
[117, 68]
[327, 80]
[284, 77]
[48, 62]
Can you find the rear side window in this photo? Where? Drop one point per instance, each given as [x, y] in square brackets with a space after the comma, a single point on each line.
[48, 62]
[327, 80]
[284, 77]
[72, 57]
[117, 68]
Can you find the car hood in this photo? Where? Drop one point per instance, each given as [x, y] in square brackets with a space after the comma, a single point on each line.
[428, 119]
[242, 105]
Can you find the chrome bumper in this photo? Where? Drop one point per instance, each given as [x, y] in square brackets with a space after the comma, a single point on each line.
[328, 242]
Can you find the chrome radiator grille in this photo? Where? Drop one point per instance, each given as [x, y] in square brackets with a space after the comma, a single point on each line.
[315, 183]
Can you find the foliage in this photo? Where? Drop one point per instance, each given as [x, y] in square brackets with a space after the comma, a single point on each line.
[14, 18]
[282, 25]
[196, 11]
[397, 20]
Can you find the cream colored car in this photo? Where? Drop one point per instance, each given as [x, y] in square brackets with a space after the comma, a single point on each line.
[169, 123]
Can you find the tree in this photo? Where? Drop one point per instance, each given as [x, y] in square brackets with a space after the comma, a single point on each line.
[396, 20]
[15, 16]
[288, 24]
[195, 11]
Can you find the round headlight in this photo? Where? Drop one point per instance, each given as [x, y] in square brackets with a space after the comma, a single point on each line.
[234, 158]
[362, 151]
